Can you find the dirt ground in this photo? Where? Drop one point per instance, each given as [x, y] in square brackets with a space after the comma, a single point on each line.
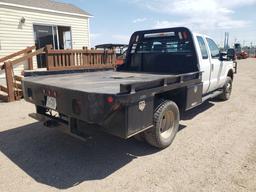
[214, 151]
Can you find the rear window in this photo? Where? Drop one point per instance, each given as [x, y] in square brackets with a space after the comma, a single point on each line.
[170, 42]
[202, 47]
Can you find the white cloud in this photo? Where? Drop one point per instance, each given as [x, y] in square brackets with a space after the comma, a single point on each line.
[237, 3]
[95, 35]
[139, 20]
[102, 38]
[96, 38]
[203, 25]
[167, 24]
[120, 38]
[200, 15]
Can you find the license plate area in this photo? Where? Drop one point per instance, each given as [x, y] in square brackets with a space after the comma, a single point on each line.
[51, 102]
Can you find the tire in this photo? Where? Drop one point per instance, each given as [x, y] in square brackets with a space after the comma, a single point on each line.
[227, 89]
[166, 125]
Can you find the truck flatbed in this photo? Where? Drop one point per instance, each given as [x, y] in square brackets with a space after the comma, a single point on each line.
[84, 96]
[103, 82]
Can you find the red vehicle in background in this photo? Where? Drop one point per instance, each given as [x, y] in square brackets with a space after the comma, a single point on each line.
[243, 55]
[240, 54]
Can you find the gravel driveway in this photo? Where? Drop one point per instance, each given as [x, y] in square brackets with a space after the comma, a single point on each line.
[215, 150]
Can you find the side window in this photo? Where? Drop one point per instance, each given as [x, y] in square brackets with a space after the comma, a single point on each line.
[213, 48]
[202, 47]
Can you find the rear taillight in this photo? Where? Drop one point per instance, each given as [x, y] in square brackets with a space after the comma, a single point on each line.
[110, 99]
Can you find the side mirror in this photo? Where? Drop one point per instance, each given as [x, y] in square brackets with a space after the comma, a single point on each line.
[223, 56]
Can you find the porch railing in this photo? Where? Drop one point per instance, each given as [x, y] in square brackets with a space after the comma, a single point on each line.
[12, 89]
[20, 53]
[79, 59]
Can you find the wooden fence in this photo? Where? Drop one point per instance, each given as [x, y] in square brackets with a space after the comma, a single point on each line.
[55, 60]
[19, 54]
[79, 59]
[13, 88]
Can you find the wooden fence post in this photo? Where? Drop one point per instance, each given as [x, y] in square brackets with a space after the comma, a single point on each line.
[9, 80]
[92, 57]
[49, 58]
[30, 60]
[85, 55]
[114, 58]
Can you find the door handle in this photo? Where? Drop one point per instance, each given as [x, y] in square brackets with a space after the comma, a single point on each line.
[212, 67]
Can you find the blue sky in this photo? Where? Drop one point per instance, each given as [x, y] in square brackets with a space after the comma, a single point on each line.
[115, 20]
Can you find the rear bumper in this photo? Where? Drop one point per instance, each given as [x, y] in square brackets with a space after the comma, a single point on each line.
[123, 121]
[59, 125]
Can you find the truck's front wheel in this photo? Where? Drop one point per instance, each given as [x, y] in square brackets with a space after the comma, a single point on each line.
[227, 89]
[166, 121]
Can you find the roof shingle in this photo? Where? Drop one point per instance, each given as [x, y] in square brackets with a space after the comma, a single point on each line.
[49, 4]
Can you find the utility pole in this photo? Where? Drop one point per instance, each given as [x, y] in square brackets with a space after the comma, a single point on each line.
[226, 41]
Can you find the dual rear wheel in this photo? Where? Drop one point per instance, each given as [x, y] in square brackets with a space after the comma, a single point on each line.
[166, 121]
[166, 125]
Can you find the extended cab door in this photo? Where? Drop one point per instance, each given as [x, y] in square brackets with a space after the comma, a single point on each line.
[216, 65]
[204, 61]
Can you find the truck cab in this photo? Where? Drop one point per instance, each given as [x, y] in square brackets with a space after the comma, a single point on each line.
[215, 68]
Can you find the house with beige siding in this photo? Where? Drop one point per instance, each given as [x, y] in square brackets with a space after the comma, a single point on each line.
[26, 23]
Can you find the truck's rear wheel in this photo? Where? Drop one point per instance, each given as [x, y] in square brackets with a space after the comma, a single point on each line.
[166, 125]
[227, 89]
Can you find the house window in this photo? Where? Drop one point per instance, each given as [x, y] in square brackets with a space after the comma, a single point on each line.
[64, 37]
[58, 36]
